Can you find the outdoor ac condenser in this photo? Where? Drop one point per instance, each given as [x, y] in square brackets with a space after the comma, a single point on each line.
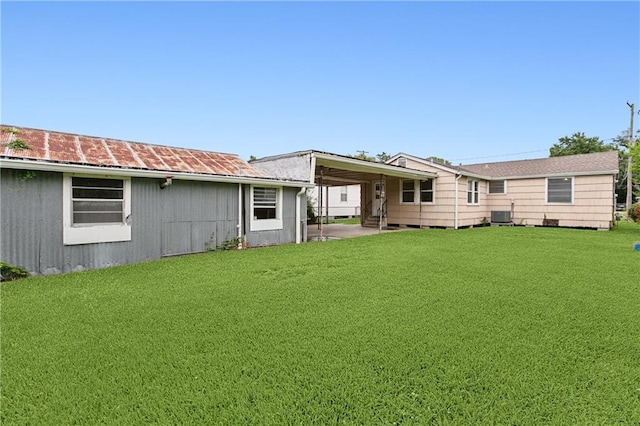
[501, 216]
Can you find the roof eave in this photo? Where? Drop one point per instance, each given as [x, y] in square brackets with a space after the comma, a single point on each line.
[364, 166]
[12, 163]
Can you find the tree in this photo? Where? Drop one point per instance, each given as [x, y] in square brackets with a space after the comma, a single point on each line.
[622, 144]
[440, 161]
[578, 143]
[380, 158]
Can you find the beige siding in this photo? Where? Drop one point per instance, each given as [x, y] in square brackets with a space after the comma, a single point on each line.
[592, 205]
[441, 212]
[592, 202]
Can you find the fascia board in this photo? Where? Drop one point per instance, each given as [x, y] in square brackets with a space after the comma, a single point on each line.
[78, 168]
[356, 165]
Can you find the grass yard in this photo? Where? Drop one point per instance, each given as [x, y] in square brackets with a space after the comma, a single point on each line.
[495, 325]
[348, 221]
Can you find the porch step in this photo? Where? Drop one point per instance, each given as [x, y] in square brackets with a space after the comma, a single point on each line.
[371, 222]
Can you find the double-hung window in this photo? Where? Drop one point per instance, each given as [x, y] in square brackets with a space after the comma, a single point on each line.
[408, 191]
[343, 194]
[473, 193]
[266, 208]
[560, 190]
[96, 209]
[426, 191]
[416, 191]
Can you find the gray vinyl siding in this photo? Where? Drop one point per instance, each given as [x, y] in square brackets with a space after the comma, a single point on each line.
[183, 218]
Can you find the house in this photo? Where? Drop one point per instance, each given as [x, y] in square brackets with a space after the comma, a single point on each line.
[571, 191]
[72, 202]
[337, 201]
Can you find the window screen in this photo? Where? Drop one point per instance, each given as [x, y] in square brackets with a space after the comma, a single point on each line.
[97, 201]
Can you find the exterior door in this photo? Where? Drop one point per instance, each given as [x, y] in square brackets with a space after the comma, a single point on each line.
[378, 198]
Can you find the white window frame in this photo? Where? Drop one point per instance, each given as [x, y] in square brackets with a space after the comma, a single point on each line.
[344, 194]
[267, 224]
[565, 203]
[417, 192]
[475, 192]
[94, 233]
[504, 187]
[433, 191]
[402, 191]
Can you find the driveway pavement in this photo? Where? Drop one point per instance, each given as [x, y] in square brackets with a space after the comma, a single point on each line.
[340, 230]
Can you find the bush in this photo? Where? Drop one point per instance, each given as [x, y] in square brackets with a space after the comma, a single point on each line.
[634, 212]
[311, 212]
[9, 272]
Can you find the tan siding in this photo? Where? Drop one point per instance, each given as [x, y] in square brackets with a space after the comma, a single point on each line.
[592, 202]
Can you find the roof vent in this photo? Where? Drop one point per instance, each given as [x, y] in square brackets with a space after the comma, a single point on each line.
[402, 162]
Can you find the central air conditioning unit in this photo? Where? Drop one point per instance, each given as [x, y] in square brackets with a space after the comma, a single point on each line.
[501, 216]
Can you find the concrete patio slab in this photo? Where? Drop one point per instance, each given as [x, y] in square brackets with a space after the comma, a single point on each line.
[340, 230]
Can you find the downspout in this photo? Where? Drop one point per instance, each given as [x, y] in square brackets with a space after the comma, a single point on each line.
[455, 208]
[239, 216]
[299, 216]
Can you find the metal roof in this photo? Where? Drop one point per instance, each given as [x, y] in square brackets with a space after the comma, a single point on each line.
[71, 149]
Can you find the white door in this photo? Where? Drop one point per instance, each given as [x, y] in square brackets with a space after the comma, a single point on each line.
[378, 198]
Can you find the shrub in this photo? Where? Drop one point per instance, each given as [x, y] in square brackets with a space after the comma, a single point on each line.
[634, 212]
[9, 272]
[311, 212]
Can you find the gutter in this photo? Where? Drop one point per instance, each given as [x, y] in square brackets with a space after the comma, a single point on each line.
[240, 216]
[456, 201]
[302, 191]
[160, 174]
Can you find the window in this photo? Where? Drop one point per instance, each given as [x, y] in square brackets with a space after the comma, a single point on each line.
[343, 194]
[497, 187]
[414, 190]
[472, 192]
[408, 191]
[426, 191]
[96, 209]
[96, 201]
[560, 190]
[265, 202]
[266, 207]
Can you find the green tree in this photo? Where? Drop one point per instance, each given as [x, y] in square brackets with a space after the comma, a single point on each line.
[380, 158]
[578, 143]
[440, 161]
[624, 148]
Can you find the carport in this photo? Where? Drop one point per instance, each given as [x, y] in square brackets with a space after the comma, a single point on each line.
[326, 170]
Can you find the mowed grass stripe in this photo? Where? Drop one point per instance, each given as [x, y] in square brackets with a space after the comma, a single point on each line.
[490, 325]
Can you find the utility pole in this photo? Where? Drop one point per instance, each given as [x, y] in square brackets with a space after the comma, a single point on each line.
[630, 161]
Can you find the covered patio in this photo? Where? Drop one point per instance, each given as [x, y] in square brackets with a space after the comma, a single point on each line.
[326, 170]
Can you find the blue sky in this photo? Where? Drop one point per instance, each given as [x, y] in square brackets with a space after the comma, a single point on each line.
[465, 81]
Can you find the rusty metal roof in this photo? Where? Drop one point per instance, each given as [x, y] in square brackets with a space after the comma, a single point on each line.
[66, 148]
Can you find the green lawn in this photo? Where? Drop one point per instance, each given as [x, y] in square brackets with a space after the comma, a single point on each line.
[348, 221]
[495, 325]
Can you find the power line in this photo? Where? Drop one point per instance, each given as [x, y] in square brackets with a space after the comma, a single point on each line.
[496, 156]
[517, 153]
